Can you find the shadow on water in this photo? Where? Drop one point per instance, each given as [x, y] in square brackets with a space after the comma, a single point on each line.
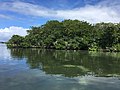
[71, 63]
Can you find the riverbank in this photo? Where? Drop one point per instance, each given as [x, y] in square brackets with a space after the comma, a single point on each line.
[94, 49]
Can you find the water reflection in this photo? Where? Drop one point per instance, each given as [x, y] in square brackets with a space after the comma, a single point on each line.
[71, 63]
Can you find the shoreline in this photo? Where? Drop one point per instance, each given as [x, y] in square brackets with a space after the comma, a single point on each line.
[99, 50]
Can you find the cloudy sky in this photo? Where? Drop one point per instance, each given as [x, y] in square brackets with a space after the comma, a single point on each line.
[16, 16]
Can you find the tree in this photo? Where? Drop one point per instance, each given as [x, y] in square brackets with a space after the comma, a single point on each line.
[16, 40]
[71, 34]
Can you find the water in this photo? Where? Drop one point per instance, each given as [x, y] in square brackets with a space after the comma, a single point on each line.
[36, 69]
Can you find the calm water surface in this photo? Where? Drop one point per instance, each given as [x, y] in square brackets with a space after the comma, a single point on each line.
[36, 69]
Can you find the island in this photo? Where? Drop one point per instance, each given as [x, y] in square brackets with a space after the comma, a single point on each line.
[70, 35]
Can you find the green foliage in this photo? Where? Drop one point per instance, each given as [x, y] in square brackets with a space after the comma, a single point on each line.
[93, 47]
[60, 44]
[15, 41]
[116, 47]
[25, 45]
[71, 34]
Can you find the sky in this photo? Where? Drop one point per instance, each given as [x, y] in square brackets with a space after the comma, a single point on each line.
[17, 16]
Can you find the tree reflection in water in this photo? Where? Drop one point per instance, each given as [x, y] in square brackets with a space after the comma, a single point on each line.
[71, 63]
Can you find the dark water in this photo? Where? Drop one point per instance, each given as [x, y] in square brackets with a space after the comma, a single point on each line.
[36, 69]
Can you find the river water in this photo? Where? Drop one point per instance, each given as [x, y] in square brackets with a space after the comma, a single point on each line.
[36, 69]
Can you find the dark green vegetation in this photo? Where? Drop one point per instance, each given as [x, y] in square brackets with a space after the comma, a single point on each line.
[2, 42]
[71, 34]
[70, 63]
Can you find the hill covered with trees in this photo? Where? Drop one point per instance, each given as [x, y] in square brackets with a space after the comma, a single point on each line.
[72, 35]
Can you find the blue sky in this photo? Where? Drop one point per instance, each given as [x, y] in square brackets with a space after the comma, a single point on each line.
[15, 18]
[18, 15]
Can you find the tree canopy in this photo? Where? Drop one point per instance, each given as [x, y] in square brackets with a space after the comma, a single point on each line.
[71, 34]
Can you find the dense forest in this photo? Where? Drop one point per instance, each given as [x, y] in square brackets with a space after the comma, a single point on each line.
[70, 35]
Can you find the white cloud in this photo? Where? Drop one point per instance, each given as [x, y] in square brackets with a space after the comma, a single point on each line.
[105, 11]
[26, 8]
[6, 33]
[92, 14]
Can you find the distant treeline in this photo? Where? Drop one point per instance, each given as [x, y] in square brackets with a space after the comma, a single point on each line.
[71, 34]
[3, 42]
